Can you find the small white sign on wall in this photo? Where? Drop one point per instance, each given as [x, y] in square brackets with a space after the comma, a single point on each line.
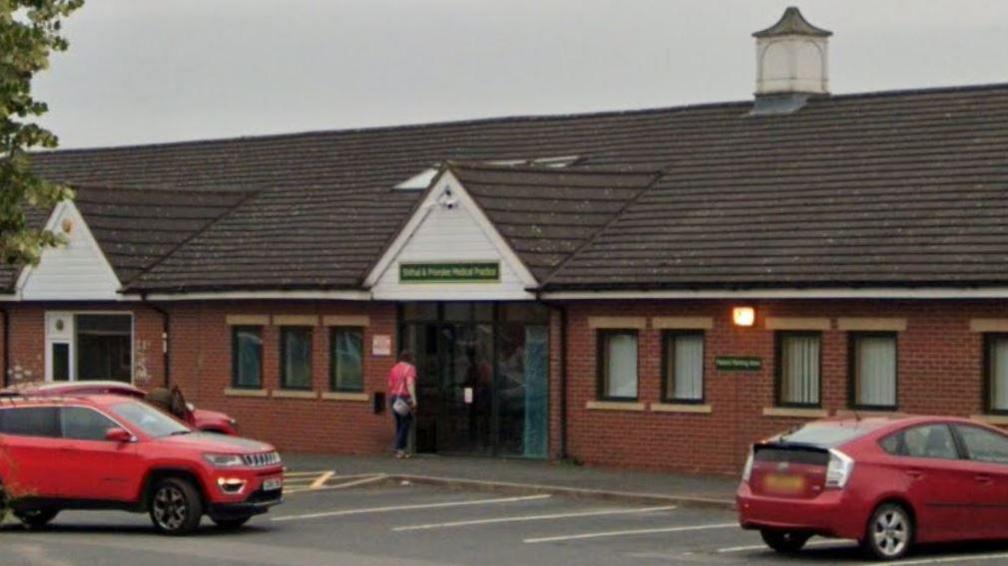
[381, 345]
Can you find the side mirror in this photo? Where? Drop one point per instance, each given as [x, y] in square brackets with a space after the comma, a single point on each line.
[117, 434]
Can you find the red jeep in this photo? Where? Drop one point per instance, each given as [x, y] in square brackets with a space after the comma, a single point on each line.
[119, 453]
[207, 421]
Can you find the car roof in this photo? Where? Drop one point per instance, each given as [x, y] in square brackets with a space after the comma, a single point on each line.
[99, 400]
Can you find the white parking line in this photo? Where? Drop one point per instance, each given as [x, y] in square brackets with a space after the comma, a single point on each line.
[956, 559]
[583, 536]
[409, 507]
[496, 520]
[815, 543]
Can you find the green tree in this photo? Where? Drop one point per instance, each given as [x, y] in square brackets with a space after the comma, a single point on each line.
[30, 30]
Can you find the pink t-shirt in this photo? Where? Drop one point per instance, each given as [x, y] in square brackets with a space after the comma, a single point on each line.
[400, 378]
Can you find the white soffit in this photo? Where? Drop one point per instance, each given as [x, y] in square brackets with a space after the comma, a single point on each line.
[75, 271]
[450, 228]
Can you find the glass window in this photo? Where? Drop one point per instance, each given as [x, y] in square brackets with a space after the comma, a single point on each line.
[873, 367]
[347, 359]
[997, 372]
[684, 366]
[30, 421]
[798, 368]
[60, 361]
[81, 423]
[830, 434]
[984, 445]
[295, 357]
[148, 419]
[926, 441]
[246, 357]
[104, 346]
[618, 364]
[420, 311]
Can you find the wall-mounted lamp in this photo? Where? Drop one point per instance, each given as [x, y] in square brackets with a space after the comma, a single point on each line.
[744, 316]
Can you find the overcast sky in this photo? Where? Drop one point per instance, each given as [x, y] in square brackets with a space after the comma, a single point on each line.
[141, 71]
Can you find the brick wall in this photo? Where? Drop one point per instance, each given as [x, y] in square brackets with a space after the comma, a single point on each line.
[27, 340]
[939, 371]
[201, 366]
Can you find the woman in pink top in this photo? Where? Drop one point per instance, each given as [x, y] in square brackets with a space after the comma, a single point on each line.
[402, 385]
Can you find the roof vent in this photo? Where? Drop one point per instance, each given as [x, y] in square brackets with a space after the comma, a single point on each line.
[791, 64]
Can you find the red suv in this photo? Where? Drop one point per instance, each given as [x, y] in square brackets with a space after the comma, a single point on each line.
[120, 453]
[207, 421]
[888, 483]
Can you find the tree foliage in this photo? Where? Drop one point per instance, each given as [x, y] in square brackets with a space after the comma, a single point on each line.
[30, 30]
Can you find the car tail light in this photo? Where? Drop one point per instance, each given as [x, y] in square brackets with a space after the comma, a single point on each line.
[839, 469]
[747, 470]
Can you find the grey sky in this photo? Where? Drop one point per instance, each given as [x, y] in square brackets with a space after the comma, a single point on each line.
[143, 71]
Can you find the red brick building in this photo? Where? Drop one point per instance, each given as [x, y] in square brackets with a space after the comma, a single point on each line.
[651, 289]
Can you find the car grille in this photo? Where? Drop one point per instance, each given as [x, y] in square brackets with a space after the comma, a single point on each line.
[262, 459]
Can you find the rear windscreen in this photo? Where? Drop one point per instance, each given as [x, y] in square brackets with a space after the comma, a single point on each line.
[813, 457]
[827, 435]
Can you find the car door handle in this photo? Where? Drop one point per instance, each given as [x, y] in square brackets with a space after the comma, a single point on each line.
[982, 478]
[915, 474]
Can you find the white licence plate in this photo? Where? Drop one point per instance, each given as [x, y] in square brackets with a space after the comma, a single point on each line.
[272, 483]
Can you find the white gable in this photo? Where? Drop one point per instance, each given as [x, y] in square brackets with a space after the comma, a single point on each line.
[75, 271]
[449, 228]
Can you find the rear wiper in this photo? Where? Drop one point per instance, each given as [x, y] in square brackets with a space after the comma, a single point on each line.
[179, 432]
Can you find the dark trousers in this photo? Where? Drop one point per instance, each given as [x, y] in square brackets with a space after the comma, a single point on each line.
[402, 427]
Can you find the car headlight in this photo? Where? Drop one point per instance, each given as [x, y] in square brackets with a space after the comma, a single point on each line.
[224, 460]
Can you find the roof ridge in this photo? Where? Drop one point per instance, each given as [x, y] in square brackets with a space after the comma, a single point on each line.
[514, 118]
[594, 237]
[248, 196]
[170, 190]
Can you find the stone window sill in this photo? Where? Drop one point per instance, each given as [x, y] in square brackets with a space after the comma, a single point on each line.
[991, 419]
[614, 406]
[294, 394]
[233, 392]
[794, 412]
[346, 396]
[681, 408]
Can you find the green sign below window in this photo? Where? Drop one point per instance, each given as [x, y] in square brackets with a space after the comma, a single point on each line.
[738, 363]
[469, 272]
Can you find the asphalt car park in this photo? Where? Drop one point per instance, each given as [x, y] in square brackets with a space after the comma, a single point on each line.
[366, 519]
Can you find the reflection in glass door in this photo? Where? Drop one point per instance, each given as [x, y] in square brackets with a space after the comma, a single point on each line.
[482, 376]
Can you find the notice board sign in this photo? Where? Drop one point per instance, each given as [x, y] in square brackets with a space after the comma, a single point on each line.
[738, 363]
[381, 345]
[447, 272]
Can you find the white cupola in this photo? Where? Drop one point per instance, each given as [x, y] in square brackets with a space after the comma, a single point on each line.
[791, 57]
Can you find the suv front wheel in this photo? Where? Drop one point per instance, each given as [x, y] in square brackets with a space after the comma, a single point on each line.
[175, 506]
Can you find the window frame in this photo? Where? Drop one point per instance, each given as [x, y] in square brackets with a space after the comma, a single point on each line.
[852, 369]
[988, 374]
[107, 417]
[234, 355]
[333, 358]
[602, 356]
[668, 363]
[779, 337]
[283, 355]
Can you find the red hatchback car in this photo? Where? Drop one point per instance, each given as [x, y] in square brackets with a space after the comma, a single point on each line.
[201, 419]
[112, 452]
[889, 483]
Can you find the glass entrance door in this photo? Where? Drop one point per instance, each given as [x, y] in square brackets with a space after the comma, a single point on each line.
[482, 380]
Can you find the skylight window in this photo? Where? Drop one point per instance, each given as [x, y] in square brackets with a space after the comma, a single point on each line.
[558, 161]
[419, 181]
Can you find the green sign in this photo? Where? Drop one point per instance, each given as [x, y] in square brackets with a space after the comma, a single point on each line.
[738, 363]
[469, 272]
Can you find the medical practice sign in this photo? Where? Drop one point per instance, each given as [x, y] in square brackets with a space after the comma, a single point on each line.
[448, 272]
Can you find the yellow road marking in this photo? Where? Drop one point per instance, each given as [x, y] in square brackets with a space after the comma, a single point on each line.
[320, 481]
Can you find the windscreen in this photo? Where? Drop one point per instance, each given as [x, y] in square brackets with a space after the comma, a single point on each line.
[148, 419]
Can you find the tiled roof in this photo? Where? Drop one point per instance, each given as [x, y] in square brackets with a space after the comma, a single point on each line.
[892, 188]
[546, 214]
